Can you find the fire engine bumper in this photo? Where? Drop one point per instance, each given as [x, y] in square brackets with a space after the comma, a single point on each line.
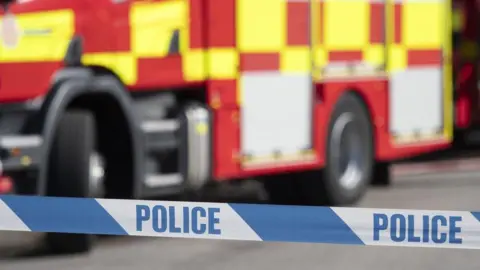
[18, 156]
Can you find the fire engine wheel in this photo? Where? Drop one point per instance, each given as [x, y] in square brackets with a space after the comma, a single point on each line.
[349, 156]
[348, 168]
[75, 170]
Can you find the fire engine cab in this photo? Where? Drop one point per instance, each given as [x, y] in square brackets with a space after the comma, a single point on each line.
[142, 98]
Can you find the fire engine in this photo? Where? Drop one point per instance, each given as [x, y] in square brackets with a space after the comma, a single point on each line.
[144, 98]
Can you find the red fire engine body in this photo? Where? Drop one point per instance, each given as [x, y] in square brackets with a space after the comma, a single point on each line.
[140, 98]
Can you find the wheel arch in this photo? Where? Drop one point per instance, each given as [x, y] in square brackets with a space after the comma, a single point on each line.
[69, 87]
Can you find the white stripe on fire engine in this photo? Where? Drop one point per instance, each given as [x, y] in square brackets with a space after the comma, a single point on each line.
[351, 69]
[351, 66]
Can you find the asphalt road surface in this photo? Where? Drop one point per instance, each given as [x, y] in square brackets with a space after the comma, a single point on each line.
[442, 190]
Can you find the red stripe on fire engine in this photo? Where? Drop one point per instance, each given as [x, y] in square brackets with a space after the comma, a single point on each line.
[222, 91]
[345, 55]
[221, 23]
[398, 23]
[160, 71]
[22, 81]
[123, 34]
[297, 23]
[259, 61]
[226, 131]
[196, 24]
[424, 57]
[99, 32]
[376, 22]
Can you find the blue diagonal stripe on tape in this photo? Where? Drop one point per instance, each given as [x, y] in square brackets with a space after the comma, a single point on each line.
[476, 215]
[297, 224]
[70, 215]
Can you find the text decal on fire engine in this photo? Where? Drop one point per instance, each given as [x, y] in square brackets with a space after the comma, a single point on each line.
[186, 220]
[437, 229]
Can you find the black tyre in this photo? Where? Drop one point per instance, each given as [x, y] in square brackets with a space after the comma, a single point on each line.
[350, 125]
[381, 175]
[350, 153]
[69, 173]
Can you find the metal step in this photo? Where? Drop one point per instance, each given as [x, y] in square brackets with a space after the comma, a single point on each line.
[163, 180]
[161, 135]
[162, 126]
[28, 141]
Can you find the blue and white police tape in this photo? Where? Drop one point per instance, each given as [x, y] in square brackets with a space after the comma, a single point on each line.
[354, 226]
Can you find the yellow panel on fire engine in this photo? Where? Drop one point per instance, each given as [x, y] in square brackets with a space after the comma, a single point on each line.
[423, 24]
[153, 24]
[320, 60]
[397, 59]
[123, 64]
[44, 36]
[426, 24]
[222, 63]
[295, 59]
[447, 70]
[261, 25]
[374, 54]
[193, 64]
[346, 24]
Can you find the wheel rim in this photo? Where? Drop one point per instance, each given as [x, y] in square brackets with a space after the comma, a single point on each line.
[96, 175]
[347, 152]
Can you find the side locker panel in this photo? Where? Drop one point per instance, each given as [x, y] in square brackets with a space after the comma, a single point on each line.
[418, 60]
[275, 85]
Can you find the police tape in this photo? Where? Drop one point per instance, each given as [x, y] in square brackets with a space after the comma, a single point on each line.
[230, 221]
